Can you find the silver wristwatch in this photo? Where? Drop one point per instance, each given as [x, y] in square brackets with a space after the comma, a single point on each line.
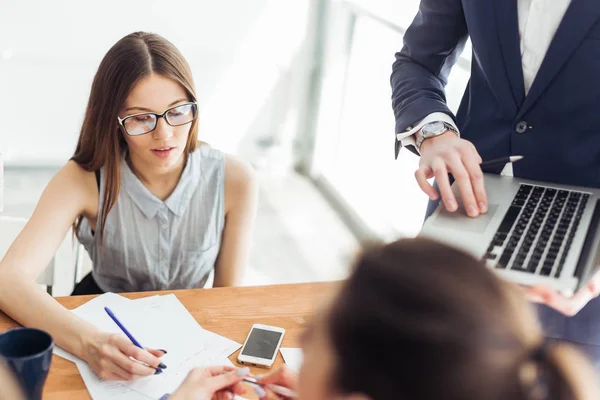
[432, 129]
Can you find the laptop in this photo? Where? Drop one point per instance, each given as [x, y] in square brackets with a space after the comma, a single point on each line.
[534, 232]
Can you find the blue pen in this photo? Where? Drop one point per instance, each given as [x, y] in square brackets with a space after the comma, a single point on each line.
[130, 336]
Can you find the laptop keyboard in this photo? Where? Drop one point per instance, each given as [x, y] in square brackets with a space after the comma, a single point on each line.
[537, 231]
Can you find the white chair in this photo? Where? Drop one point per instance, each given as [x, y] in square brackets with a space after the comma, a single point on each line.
[10, 227]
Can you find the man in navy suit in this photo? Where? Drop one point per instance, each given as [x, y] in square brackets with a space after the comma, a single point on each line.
[534, 91]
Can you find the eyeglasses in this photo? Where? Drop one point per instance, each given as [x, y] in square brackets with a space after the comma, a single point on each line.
[140, 124]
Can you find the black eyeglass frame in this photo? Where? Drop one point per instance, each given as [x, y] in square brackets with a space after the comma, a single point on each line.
[158, 116]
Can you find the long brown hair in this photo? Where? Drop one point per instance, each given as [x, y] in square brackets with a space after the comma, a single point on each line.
[420, 320]
[101, 143]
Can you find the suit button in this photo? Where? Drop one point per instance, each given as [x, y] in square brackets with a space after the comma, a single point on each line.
[521, 127]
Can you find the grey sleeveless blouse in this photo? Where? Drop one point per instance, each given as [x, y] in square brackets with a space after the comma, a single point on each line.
[154, 245]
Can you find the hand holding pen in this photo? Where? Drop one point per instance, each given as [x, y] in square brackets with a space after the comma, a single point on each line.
[114, 357]
[283, 382]
[226, 382]
[206, 383]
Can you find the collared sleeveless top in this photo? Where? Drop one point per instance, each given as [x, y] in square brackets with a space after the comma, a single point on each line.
[150, 244]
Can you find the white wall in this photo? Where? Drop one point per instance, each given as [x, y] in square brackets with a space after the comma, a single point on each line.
[247, 56]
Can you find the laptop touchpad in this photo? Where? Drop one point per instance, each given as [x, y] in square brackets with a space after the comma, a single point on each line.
[459, 220]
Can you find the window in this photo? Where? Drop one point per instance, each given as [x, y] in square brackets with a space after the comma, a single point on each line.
[355, 132]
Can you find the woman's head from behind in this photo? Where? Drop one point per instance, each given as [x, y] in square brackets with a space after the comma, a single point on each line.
[141, 77]
[420, 320]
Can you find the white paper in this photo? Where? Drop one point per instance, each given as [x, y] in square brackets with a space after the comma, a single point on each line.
[160, 322]
[100, 390]
[59, 351]
[293, 357]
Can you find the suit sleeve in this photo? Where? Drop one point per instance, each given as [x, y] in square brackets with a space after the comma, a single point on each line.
[432, 44]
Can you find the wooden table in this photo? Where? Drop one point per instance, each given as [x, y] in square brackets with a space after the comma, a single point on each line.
[227, 311]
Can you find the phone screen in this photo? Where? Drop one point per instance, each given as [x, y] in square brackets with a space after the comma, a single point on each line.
[261, 343]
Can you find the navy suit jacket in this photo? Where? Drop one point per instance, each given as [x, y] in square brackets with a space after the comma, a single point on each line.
[560, 114]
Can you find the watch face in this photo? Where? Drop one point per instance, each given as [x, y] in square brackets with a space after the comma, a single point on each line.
[434, 128]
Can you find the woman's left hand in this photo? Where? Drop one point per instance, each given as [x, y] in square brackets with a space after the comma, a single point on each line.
[212, 383]
[566, 305]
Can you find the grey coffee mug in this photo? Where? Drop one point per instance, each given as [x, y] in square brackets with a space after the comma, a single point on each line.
[28, 352]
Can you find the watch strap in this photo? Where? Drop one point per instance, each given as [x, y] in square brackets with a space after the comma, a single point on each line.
[420, 137]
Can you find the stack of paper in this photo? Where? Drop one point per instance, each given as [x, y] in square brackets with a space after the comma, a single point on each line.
[159, 322]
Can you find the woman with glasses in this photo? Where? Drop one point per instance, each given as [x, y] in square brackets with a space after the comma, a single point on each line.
[154, 208]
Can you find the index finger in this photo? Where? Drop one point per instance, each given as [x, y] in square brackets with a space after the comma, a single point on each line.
[126, 363]
[226, 380]
[219, 369]
[130, 350]
[441, 177]
[282, 376]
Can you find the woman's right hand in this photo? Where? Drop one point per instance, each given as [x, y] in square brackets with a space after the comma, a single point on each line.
[108, 355]
[282, 376]
[445, 154]
[212, 383]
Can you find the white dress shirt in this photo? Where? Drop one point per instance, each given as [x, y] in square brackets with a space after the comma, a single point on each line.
[538, 22]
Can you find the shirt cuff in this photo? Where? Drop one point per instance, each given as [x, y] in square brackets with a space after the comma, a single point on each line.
[408, 137]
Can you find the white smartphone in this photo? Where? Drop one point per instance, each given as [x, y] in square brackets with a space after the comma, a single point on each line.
[261, 346]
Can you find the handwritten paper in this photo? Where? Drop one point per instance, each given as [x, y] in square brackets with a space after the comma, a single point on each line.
[160, 322]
